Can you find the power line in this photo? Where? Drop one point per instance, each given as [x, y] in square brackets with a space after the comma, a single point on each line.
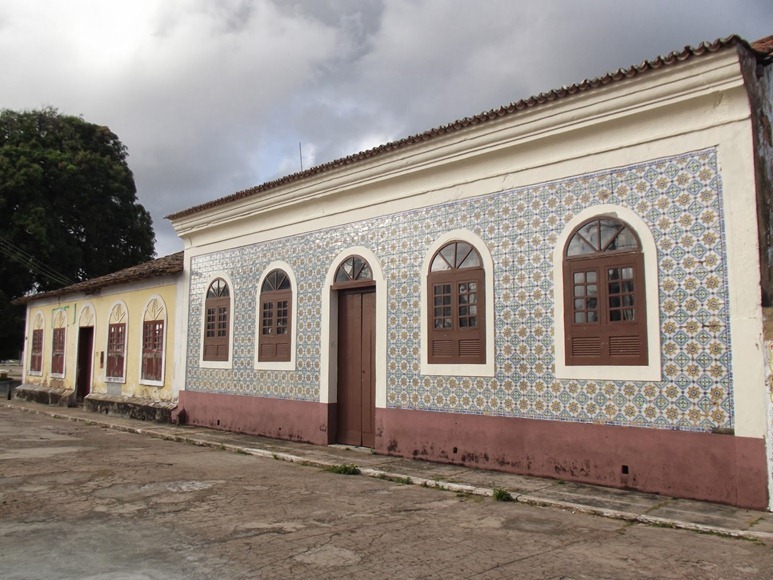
[28, 260]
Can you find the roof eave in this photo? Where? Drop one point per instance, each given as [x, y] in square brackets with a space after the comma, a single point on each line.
[159, 268]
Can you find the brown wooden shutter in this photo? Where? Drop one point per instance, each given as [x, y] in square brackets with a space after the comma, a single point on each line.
[605, 314]
[275, 332]
[116, 346]
[153, 350]
[57, 351]
[36, 357]
[217, 329]
[456, 316]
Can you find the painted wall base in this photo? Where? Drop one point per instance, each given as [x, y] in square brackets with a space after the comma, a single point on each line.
[277, 418]
[46, 395]
[703, 466]
[131, 407]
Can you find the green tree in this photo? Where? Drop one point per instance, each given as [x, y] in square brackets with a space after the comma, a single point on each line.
[68, 199]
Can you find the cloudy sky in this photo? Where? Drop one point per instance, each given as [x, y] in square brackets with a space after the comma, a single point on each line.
[214, 96]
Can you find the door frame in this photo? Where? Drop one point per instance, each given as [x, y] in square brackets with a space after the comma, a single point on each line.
[367, 317]
[84, 362]
[328, 387]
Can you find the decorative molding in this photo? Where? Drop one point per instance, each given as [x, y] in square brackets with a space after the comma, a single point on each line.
[155, 310]
[87, 317]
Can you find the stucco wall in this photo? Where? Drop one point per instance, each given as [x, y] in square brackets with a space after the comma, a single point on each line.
[95, 310]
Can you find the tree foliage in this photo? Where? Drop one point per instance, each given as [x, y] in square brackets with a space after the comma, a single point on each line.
[67, 198]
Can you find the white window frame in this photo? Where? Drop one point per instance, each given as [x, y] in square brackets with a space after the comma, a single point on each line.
[149, 382]
[487, 369]
[36, 319]
[122, 378]
[277, 365]
[217, 364]
[649, 372]
[62, 314]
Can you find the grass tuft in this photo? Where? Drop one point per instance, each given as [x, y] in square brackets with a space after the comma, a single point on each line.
[344, 469]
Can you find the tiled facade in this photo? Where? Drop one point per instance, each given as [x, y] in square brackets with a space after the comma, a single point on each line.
[679, 198]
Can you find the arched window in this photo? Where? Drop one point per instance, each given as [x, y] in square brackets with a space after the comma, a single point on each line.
[216, 323]
[456, 309]
[276, 297]
[353, 271]
[36, 354]
[58, 342]
[116, 344]
[604, 295]
[152, 368]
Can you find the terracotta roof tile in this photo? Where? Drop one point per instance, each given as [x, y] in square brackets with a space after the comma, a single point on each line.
[171, 264]
[762, 47]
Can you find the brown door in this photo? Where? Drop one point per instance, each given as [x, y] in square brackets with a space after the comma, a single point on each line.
[356, 372]
[83, 370]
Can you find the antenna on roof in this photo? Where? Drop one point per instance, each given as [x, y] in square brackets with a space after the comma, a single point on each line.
[300, 154]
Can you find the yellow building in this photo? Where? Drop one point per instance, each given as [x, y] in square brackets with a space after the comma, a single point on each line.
[107, 343]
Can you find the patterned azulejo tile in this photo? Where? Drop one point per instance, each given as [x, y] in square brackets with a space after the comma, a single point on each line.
[678, 197]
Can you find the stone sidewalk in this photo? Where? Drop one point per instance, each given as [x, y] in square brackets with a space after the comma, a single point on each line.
[607, 502]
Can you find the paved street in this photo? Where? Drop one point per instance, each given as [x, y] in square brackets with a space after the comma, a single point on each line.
[82, 501]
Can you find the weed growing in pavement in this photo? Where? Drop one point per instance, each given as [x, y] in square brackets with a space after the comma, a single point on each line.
[501, 495]
[404, 480]
[468, 496]
[344, 469]
[275, 456]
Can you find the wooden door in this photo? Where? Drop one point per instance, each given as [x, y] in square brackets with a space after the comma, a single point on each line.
[85, 362]
[356, 367]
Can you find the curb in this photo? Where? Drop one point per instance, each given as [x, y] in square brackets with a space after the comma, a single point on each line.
[525, 499]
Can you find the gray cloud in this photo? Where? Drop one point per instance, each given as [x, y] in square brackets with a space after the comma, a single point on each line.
[214, 96]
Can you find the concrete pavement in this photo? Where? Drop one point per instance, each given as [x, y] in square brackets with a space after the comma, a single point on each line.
[611, 503]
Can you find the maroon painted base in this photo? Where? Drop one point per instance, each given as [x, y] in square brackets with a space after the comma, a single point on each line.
[277, 418]
[704, 466]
